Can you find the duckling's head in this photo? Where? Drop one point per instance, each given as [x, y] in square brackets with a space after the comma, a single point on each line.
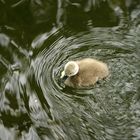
[70, 69]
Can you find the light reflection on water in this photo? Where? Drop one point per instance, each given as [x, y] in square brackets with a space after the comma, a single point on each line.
[103, 112]
[36, 105]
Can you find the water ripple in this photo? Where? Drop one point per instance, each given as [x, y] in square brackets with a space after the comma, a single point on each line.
[88, 112]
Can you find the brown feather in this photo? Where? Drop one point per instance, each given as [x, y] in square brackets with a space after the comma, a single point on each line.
[90, 71]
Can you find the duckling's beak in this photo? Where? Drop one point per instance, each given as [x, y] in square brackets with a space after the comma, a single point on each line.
[63, 76]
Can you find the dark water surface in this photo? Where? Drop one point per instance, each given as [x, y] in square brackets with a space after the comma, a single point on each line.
[37, 38]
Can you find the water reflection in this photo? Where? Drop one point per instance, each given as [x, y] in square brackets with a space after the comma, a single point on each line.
[109, 100]
[34, 104]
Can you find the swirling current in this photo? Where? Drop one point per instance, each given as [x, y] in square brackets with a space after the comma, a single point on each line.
[104, 112]
[35, 104]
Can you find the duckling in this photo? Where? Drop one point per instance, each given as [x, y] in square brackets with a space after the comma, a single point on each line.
[84, 73]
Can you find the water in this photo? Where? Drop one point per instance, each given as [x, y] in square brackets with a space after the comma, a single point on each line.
[34, 104]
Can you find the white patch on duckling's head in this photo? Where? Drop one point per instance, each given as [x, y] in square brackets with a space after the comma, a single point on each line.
[71, 68]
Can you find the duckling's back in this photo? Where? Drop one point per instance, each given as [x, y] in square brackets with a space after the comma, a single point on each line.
[93, 68]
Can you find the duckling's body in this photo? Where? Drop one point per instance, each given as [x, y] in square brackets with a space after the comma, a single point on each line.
[89, 72]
